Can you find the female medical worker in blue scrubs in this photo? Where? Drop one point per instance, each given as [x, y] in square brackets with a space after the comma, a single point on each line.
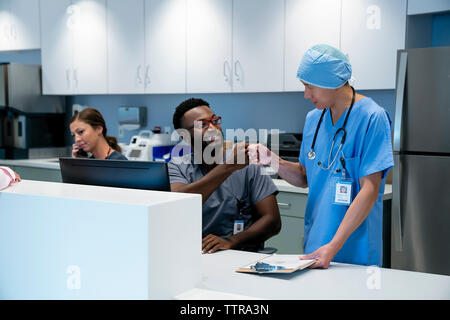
[345, 155]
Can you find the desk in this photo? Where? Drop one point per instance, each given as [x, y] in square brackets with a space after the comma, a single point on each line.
[67, 241]
[340, 281]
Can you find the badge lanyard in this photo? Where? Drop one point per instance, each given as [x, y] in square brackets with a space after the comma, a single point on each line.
[342, 194]
[239, 224]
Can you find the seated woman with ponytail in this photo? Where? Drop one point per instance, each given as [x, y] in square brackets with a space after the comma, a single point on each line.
[89, 131]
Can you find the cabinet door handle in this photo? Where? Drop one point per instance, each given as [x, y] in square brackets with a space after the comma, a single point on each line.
[284, 205]
[7, 32]
[68, 78]
[147, 75]
[236, 63]
[13, 32]
[226, 74]
[75, 77]
[138, 75]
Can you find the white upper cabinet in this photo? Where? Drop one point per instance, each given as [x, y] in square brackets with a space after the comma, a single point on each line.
[258, 45]
[203, 46]
[90, 45]
[209, 55]
[235, 46]
[372, 32]
[73, 47]
[56, 47]
[146, 46]
[165, 46]
[126, 46]
[5, 25]
[308, 22]
[19, 25]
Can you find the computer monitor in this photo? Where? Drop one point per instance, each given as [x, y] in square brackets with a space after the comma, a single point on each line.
[147, 175]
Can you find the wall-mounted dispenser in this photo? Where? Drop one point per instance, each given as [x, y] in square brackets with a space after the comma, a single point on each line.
[131, 118]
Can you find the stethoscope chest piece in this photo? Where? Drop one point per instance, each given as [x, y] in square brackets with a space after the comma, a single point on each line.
[311, 155]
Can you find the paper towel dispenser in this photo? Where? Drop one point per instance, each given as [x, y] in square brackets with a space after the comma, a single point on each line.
[132, 118]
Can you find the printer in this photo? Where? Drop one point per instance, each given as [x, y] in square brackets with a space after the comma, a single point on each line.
[150, 146]
[288, 146]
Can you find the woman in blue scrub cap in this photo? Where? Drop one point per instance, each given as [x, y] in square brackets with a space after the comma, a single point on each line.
[345, 155]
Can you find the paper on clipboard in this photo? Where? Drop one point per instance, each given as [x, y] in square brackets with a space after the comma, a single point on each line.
[288, 262]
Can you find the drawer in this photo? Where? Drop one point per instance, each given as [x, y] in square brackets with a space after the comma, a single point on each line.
[292, 204]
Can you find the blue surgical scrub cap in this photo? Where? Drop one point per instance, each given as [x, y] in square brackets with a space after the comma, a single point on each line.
[324, 66]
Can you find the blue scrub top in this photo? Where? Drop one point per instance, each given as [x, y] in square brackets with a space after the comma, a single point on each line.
[367, 150]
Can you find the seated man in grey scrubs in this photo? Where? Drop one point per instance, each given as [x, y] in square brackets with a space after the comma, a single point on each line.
[240, 210]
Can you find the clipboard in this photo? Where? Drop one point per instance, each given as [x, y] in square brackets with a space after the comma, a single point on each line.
[277, 263]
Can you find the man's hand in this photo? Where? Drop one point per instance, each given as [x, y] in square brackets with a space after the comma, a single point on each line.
[212, 243]
[323, 256]
[238, 157]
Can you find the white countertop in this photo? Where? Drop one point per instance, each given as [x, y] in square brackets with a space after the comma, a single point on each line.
[340, 281]
[51, 163]
[94, 193]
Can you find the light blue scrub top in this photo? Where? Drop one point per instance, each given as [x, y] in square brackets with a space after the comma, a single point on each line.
[367, 150]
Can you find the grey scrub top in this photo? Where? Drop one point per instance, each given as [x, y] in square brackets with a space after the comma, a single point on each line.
[233, 200]
[116, 155]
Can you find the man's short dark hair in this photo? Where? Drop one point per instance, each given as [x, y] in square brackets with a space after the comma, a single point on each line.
[184, 107]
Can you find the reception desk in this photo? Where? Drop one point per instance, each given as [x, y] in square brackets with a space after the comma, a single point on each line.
[65, 241]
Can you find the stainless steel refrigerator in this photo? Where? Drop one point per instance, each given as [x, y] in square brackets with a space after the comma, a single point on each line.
[421, 175]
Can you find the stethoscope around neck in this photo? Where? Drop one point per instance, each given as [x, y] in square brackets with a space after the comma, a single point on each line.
[312, 154]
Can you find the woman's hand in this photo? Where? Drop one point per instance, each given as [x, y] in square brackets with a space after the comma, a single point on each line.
[261, 155]
[17, 176]
[75, 151]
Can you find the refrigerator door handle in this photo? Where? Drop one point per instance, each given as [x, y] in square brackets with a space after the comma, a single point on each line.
[397, 229]
[399, 96]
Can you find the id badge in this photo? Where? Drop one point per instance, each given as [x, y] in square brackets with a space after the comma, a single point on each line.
[343, 192]
[238, 226]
